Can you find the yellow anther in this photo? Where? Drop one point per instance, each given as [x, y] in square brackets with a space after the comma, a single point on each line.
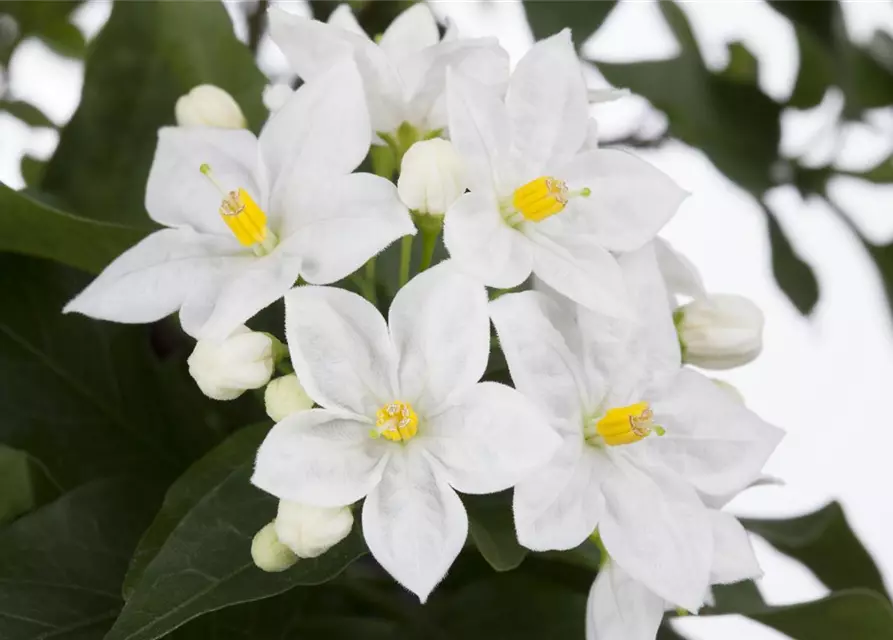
[396, 421]
[242, 215]
[540, 198]
[625, 425]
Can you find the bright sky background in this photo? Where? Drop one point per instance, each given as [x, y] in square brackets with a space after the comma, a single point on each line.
[823, 379]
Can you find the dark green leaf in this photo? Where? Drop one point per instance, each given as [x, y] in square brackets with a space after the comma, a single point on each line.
[148, 55]
[32, 170]
[793, 274]
[189, 489]
[61, 566]
[90, 398]
[33, 228]
[48, 21]
[854, 615]
[824, 542]
[584, 18]
[24, 485]
[26, 112]
[586, 555]
[205, 563]
[492, 528]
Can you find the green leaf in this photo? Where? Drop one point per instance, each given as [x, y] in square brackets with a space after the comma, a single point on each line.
[33, 228]
[148, 55]
[794, 275]
[584, 18]
[731, 120]
[26, 112]
[61, 566]
[91, 399]
[855, 615]
[492, 528]
[48, 21]
[32, 170]
[205, 563]
[200, 479]
[24, 485]
[824, 542]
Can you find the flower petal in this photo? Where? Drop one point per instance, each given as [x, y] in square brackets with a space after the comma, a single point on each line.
[580, 269]
[733, 556]
[414, 523]
[179, 195]
[547, 103]
[656, 528]
[712, 439]
[483, 245]
[439, 326]
[256, 286]
[630, 200]
[323, 130]
[541, 362]
[340, 349]
[560, 504]
[621, 608]
[479, 129]
[344, 18]
[337, 224]
[168, 269]
[681, 276]
[320, 458]
[489, 440]
[410, 32]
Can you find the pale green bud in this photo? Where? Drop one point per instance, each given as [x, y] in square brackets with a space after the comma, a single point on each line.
[285, 396]
[720, 331]
[209, 106]
[269, 553]
[224, 369]
[432, 177]
[311, 531]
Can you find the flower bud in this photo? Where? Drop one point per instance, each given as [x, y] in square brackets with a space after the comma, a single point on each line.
[720, 331]
[224, 369]
[432, 177]
[209, 106]
[269, 553]
[311, 531]
[285, 396]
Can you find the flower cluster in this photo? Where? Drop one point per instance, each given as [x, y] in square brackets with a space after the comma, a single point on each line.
[606, 434]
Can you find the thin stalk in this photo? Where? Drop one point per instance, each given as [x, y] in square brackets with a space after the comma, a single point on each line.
[405, 258]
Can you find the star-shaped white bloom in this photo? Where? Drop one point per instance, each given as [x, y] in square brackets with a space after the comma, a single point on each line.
[644, 440]
[246, 216]
[539, 201]
[404, 73]
[623, 608]
[405, 422]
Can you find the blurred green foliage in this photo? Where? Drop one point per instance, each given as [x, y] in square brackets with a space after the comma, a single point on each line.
[125, 507]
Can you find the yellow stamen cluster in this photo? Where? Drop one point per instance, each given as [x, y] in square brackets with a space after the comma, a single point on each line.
[540, 198]
[243, 216]
[625, 425]
[396, 422]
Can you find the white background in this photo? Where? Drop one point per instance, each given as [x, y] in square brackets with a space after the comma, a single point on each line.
[825, 379]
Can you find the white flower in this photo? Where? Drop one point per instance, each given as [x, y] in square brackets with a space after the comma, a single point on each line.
[224, 369]
[526, 164]
[681, 276]
[285, 396]
[311, 531]
[623, 608]
[209, 106]
[720, 331]
[404, 74]
[247, 216]
[432, 177]
[276, 96]
[268, 552]
[642, 437]
[405, 422]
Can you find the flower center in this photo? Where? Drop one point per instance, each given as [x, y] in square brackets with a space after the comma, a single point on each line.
[542, 198]
[244, 217]
[624, 425]
[396, 421]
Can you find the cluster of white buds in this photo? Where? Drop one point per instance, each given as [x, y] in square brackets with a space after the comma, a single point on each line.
[299, 531]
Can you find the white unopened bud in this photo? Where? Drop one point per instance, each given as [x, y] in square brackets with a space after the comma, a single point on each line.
[209, 106]
[276, 95]
[269, 553]
[720, 331]
[432, 176]
[224, 369]
[285, 396]
[311, 531]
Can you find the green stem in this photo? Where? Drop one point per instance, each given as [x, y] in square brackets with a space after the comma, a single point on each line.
[429, 241]
[405, 258]
[370, 286]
